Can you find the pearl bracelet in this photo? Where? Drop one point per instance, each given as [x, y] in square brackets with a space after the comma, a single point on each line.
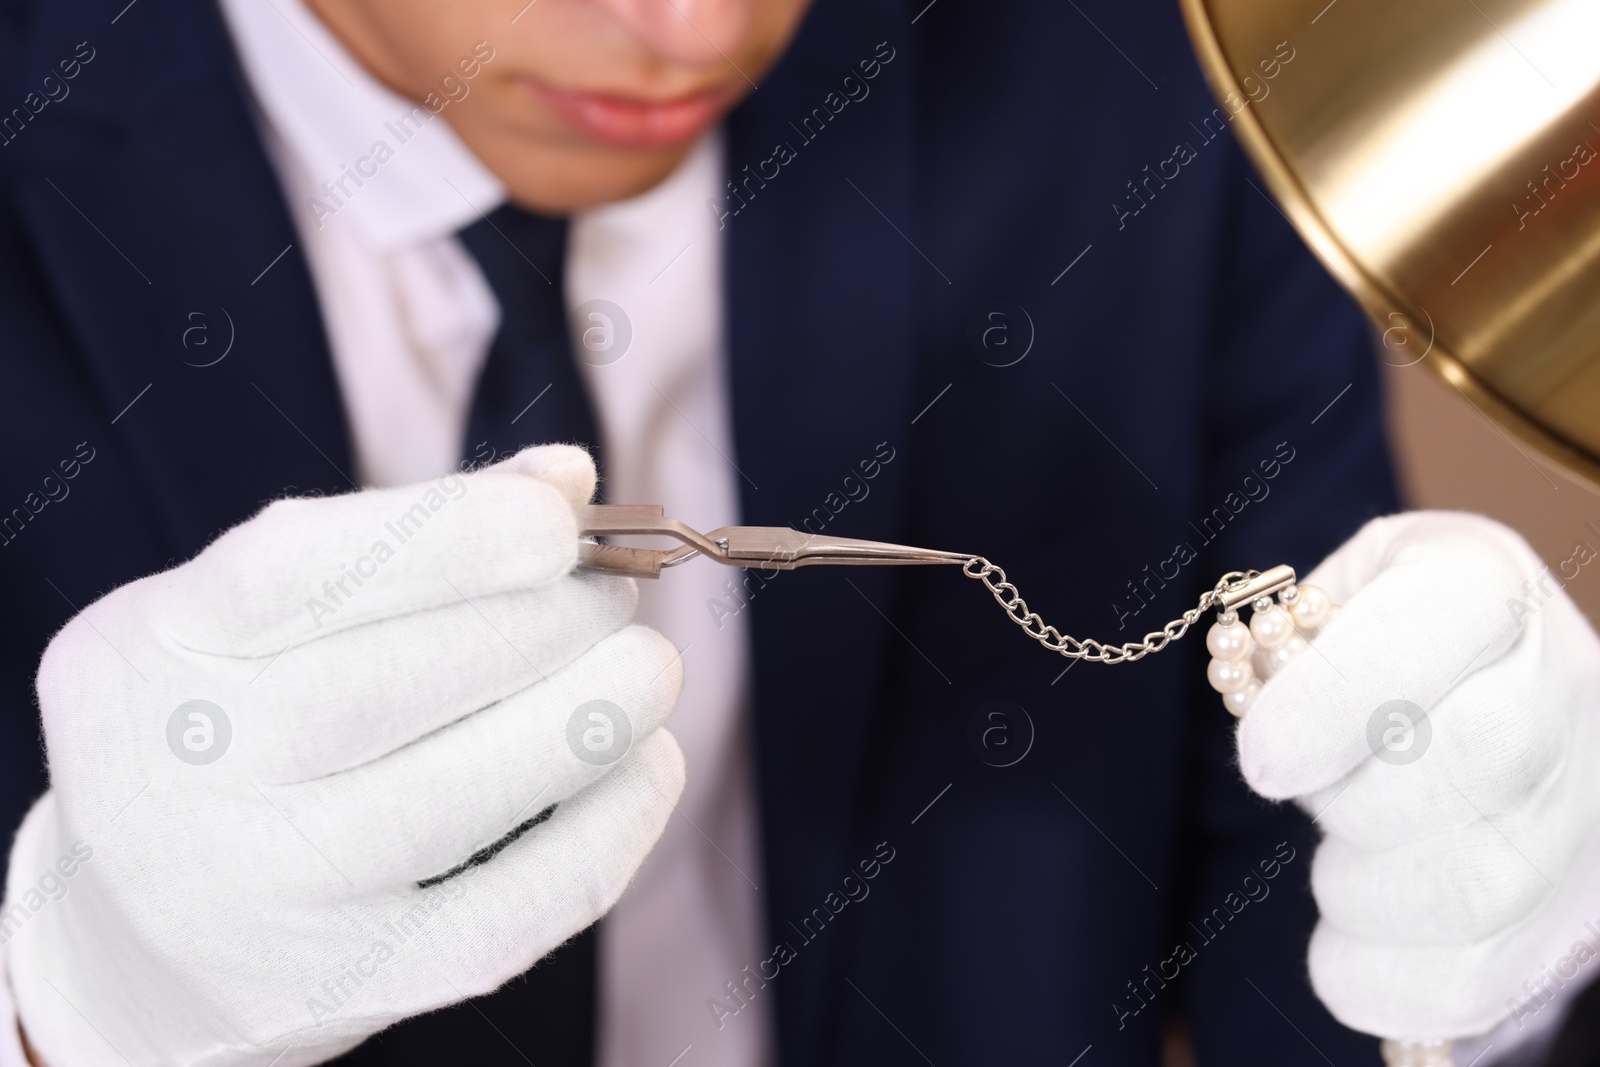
[1245, 656]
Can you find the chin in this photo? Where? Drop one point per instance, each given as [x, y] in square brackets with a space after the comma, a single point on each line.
[562, 179]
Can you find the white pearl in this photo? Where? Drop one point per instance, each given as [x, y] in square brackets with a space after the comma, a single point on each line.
[1312, 609]
[1240, 702]
[1271, 627]
[1279, 658]
[1261, 663]
[1229, 675]
[1229, 640]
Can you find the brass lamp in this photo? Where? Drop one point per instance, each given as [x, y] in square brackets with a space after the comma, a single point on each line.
[1442, 158]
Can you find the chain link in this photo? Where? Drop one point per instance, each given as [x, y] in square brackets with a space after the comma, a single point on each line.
[1007, 596]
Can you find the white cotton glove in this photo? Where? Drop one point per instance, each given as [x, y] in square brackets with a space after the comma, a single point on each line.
[362, 737]
[1460, 856]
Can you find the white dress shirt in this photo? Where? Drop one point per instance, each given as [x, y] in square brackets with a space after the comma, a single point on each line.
[410, 320]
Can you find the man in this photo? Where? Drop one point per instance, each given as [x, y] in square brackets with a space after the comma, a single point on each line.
[987, 280]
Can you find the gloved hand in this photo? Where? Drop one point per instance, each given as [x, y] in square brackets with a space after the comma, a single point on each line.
[1461, 855]
[262, 760]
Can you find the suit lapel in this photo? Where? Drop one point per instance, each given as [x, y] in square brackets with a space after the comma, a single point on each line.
[159, 221]
[820, 292]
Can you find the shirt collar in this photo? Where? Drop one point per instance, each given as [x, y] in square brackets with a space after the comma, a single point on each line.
[390, 168]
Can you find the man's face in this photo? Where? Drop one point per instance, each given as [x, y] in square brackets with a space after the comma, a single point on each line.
[584, 101]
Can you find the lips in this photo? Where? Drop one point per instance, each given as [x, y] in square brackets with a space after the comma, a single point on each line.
[631, 122]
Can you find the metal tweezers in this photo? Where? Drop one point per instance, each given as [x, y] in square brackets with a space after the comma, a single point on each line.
[766, 547]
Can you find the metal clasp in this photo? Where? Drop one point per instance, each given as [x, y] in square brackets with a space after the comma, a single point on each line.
[1266, 583]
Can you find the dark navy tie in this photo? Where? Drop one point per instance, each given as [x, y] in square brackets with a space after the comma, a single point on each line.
[530, 391]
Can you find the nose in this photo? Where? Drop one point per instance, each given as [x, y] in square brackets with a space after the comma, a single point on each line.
[694, 32]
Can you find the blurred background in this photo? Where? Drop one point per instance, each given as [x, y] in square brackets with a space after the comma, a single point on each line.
[1451, 456]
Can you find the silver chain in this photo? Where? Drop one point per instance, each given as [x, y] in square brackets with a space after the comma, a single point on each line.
[1007, 596]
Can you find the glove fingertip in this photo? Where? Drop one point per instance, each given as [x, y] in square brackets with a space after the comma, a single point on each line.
[1275, 761]
[665, 764]
[663, 660]
[569, 469]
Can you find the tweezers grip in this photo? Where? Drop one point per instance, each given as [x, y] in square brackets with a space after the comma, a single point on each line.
[618, 559]
[600, 519]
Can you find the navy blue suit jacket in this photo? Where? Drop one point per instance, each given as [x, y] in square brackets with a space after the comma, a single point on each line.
[1186, 392]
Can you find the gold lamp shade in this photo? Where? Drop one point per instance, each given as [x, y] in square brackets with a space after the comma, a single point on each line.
[1442, 157]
